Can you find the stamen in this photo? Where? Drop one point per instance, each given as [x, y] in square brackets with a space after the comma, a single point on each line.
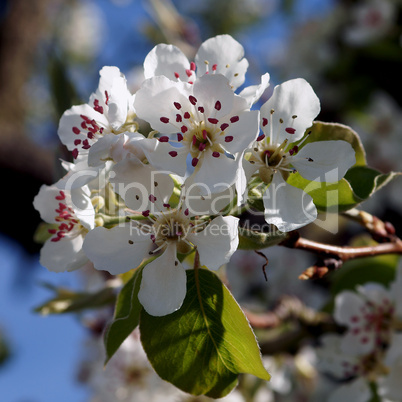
[179, 137]
[192, 99]
[194, 162]
[224, 126]
[177, 105]
[173, 154]
[260, 137]
[290, 130]
[216, 154]
[164, 138]
[229, 138]
[234, 119]
[164, 120]
[264, 121]
[213, 121]
[218, 105]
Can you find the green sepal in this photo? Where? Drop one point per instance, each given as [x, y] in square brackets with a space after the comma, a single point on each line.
[202, 347]
[126, 314]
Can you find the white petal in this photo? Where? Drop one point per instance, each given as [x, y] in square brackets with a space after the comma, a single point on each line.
[331, 160]
[348, 308]
[287, 207]
[227, 54]
[82, 206]
[357, 391]
[396, 291]
[294, 97]
[217, 242]
[63, 255]
[244, 132]
[253, 93]
[79, 174]
[141, 186]
[163, 284]
[208, 204]
[117, 250]
[155, 100]
[166, 60]
[359, 344]
[45, 202]
[161, 158]
[71, 120]
[212, 173]
[209, 89]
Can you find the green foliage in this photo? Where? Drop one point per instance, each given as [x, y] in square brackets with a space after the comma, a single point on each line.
[359, 183]
[126, 314]
[202, 347]
[67, 301]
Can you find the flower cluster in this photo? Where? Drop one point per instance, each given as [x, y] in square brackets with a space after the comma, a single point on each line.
[370, 351]
[130, 196]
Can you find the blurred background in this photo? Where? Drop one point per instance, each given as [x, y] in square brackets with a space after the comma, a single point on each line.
[51, 52]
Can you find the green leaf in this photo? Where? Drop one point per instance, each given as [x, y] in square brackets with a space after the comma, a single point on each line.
[67, 301]
[321, 131]
[126, 314]
[365, 181]
[359, 183]
[254, 240]
[202, 347]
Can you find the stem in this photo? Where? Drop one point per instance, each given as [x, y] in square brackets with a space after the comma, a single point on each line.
[345, 253]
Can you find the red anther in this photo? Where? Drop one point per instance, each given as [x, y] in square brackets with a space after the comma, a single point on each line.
[179, 119]
[63, 226]
[70, 227]
[204, 134]
[234, 119]
[186, 115]
[85, 144]
[99, 109]
[192, 66]
[90, 135]
[214, 67]
[96, 102]
[194, 140]
[166, 205]
[261, 137]
[194, 162]
[201, 147]
[107, 97]
[145, 213]
[52, 231]
[60, 234]
[201, 109]
[294, 150]
[177, 105]
[216, 154]
[152, 237]
[173, 154]
[290, 130]
[152, 198]
[164, 138]
[179, 137]
[213, 121]
[228, 138]
[191, 82]
[218, 105]
[84, 125]
[183, 129]
[186, 212]
[189, 73]
[85, 118]
[75, 153]
[76, 130]
[164, 120]
[268, 153]
[62, 195]
[224, 126]
[192, 100]
[177, 75]
[101, 130]
[264, 121]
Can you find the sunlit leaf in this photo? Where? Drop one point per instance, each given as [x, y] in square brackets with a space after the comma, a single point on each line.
[202, 347]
